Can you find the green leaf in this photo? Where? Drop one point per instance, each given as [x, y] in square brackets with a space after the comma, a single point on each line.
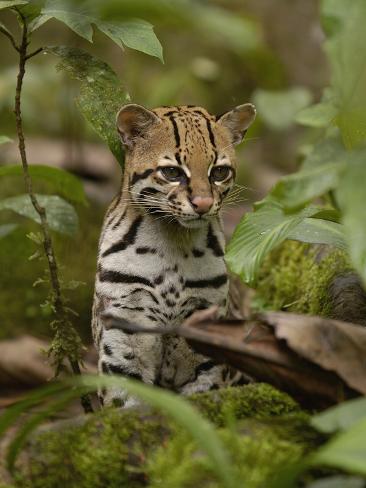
[338, 482]
[61, 216]
[257, 234]
[300, 188]
[350, 196]
[77, 20]
[327, 151]
[347, 56]
[63, 182]
[345, 451]
[101, 93]
[340, 417]
[6, 229]
[136, 34]
[279, 108]
[11, 3]
[320, 231]
[5, 139]
[321, 114]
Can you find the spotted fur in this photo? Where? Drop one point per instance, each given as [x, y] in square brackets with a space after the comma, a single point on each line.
[162, 245]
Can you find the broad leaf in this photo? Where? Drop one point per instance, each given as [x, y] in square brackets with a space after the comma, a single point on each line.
[137, 35]
[345, 451]
[61, 216]
[68, 185]
[279, 108]
[302, 187]
[351, 196]
[101, 93]
[78, 21]
[338, 482]
[340, 417]
[257, 234]
[11, 3]
[329, 150]
[5, 139]
[320, 231]
[319, 115]
[6, 229]
[347, 56]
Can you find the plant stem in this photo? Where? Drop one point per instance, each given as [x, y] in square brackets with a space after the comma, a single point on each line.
[10, 37]
[41, 211]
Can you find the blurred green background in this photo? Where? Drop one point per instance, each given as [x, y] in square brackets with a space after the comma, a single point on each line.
[217, 54]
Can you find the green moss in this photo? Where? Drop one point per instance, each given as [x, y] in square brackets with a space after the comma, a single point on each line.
[295, 277]
[100, 453]
[261, 427]
[257, 450]
[258, 401]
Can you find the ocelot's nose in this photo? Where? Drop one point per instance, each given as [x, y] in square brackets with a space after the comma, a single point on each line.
[202, 204]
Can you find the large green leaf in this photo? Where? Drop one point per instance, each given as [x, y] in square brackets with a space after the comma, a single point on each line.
[63, 182]
[136, 34]
[347, 56]
[340, 417]
[101, 93]
[302, 187]
[257, 234]
[321, 114]
[61, 216]
[345, 451]
[320, 231]
[279, 108]
[11, 3]
[327, 151]
[351, 196]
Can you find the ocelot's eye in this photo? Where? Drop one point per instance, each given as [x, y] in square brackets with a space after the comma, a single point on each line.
[172, 173]
[220, 173]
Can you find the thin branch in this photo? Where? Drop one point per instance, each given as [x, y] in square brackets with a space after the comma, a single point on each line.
[41, 211]
[34, 53]
[10, 37]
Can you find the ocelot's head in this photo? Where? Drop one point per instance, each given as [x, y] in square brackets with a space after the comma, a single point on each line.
[180, 161]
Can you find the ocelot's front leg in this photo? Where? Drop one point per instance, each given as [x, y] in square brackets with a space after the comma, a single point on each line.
[133, 356]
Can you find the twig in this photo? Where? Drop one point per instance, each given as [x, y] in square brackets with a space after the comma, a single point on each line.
[41, 211]
[10, 37]
[34, 53]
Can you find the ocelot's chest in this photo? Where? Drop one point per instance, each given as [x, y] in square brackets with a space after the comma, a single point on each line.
[172, 277]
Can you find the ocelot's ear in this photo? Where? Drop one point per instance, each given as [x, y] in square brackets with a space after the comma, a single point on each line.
[238, 120]
[133, 121]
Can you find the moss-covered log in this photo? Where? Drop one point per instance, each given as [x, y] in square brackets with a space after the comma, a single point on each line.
[262, 428]
[311, 279]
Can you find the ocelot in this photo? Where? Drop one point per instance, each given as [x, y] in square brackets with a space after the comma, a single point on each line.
[162, 245]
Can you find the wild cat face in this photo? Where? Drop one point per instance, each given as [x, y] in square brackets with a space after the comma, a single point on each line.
[180, 161]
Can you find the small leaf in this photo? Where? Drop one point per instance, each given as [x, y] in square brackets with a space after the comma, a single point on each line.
[279, 108]
[6, 229]
[137, 35]
[5, 139]
[61, 216]
[101, 93]
[319, 115]
[62, 181]
[257, 234]
[340, 417]
[345, 451]
[11, 3]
